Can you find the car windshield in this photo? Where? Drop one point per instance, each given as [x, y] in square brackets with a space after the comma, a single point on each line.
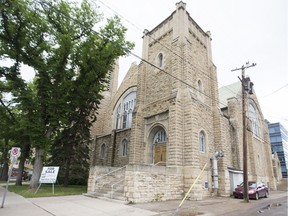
[250, 184]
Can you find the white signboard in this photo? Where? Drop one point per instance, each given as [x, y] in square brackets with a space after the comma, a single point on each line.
[49, 175]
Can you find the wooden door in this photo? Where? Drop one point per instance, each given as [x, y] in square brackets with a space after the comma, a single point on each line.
[160, 153]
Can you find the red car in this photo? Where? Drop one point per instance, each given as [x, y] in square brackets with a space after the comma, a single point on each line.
[255, 191]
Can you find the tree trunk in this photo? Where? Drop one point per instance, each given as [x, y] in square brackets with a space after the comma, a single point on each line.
[67, 172]
[5, 160]
[24, 154]
[38, 163]
[37, 168]
[4, 171]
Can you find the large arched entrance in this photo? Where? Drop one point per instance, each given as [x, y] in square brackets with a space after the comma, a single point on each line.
[159, 139]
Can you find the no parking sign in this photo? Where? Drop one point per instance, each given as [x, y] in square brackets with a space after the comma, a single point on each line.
[15, 152]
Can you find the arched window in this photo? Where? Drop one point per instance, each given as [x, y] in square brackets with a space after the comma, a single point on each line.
[160, 137]
[202, 142]
[252, 115]
[123, 112]
[117, 116]
[129, 118]
[103, 151]
[160, 60]
[124, 148]
[200, 90]
[200, 87]
[124, 120]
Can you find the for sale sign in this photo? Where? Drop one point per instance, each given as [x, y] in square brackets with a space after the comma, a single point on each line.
[49, 175]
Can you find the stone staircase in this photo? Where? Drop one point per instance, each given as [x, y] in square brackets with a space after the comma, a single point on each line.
[110, 185]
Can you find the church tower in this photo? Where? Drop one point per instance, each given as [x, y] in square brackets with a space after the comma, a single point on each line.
[176, 96]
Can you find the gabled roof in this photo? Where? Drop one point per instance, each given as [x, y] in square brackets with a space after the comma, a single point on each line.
[229, 91]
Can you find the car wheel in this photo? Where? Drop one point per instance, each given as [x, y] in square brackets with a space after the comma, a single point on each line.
[266, 194]
[257, 196]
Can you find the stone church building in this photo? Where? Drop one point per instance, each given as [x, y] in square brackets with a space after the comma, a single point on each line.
[168, 122]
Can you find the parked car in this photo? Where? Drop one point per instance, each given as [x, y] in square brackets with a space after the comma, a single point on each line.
[255, 191]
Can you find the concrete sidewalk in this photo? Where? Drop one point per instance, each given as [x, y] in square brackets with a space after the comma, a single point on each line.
[79, 205]
[66, 206]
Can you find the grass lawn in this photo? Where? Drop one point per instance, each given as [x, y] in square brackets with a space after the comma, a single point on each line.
[46, 190]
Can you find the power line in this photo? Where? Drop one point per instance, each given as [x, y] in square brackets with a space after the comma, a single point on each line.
[275, 91]
[151, 64]
[167, 46]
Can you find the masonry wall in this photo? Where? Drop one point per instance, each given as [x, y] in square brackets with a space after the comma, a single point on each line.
[158, 83]
[153, 183]
[96, 172]
[119, 160]
[113, 142]
[96, 160]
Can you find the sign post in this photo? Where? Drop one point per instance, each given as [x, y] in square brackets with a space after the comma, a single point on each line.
[48, 176]
[14, 154]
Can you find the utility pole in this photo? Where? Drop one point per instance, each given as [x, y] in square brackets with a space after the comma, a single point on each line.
[246, 87]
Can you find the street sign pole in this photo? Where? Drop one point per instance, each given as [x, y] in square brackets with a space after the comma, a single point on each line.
[14, 154]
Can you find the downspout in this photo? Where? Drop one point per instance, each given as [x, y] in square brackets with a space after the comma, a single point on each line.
[215, 174]
[214, 158]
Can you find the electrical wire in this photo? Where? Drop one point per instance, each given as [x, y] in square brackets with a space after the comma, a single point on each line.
[151, 64]
[275, 91]
[165, 45]
[144, 60]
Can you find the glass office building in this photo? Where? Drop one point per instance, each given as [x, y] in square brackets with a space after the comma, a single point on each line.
[279, 144]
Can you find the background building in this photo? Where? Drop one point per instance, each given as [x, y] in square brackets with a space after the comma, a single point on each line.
[279, 144]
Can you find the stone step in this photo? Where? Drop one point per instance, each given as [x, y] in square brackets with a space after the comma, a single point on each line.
[121, 199]
[108, 188]
[107, 192]
[103, 186]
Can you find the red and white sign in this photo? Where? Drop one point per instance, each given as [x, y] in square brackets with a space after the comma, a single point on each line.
[15, 152]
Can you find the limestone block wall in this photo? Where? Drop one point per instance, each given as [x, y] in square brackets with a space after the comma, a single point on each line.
[158, 83]
[145, 183]
[236, 132]
[119, 160]
[203, 186]
[104, 110]
[113, 143]
[96, 160]
[94, 173]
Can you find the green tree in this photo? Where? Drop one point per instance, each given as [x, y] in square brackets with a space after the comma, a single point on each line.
[11, 130]
[5, 136]
[19, 43]
[71, 61]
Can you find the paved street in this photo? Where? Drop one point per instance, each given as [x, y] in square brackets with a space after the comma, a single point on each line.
[82, 205]
[222, 206]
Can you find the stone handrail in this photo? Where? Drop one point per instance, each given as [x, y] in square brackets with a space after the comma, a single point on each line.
[109, 173]
[112, 187]
[159, 163]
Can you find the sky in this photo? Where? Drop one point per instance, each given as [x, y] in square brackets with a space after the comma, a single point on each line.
[254, 31]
